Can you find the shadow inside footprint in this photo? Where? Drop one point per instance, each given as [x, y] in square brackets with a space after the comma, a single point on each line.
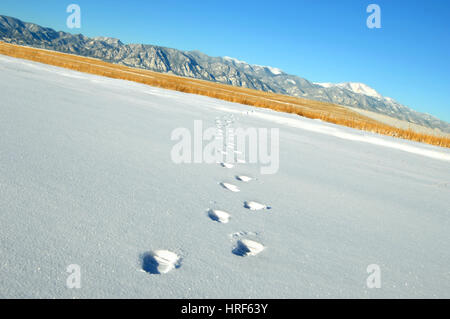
[255, 206]
[219, 215]
[149, 264]
[240, 250]
[247, 247]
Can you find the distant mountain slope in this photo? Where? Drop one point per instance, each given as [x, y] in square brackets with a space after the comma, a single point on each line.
[359, 88]
[218, 69]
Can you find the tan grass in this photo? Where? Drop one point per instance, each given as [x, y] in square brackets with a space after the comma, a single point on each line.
[308, 108]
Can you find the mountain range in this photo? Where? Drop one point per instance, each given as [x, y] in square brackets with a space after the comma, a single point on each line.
[225, 70]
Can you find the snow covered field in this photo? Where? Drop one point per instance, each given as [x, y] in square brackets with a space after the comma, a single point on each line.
[86, 178]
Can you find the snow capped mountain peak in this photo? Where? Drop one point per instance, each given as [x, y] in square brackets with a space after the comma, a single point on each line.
[325, 84]
[362, 89]
[233, 60]
[355, 87]
[274, 71]
[108, 40]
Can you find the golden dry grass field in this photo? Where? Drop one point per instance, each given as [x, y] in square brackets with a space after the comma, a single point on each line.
[308, 108]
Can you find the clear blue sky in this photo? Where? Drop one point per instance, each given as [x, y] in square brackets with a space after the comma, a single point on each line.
[322, 40]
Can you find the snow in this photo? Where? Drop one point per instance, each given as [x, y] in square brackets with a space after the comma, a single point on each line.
[230, 187]
[343, 133]
[274, 71]
[247, 247]
[244, 178]
[291, 81]
[219, 215]
[86, 178]
[254, 205]
[234, 60]
[355, 87]
[163, 262]
[361, 88]
[325, 84]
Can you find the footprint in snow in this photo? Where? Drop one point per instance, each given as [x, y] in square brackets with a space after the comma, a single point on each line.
[219, 215]
[230, 187]
[247, 247]
[255, 205]
[243, 178]
[160, 261]
[227, 165]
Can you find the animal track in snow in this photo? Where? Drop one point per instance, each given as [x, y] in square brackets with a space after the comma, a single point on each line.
[230, 187]
[247, 247]
[255, 205]
[243, 178]
[160, 261]
[219, 216]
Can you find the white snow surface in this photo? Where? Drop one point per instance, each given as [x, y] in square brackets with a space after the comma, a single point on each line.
[234, 60]
[86, 178]
[230, 187]
[291, 81]
[274, 71]
[356, 87]
[254, 205]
